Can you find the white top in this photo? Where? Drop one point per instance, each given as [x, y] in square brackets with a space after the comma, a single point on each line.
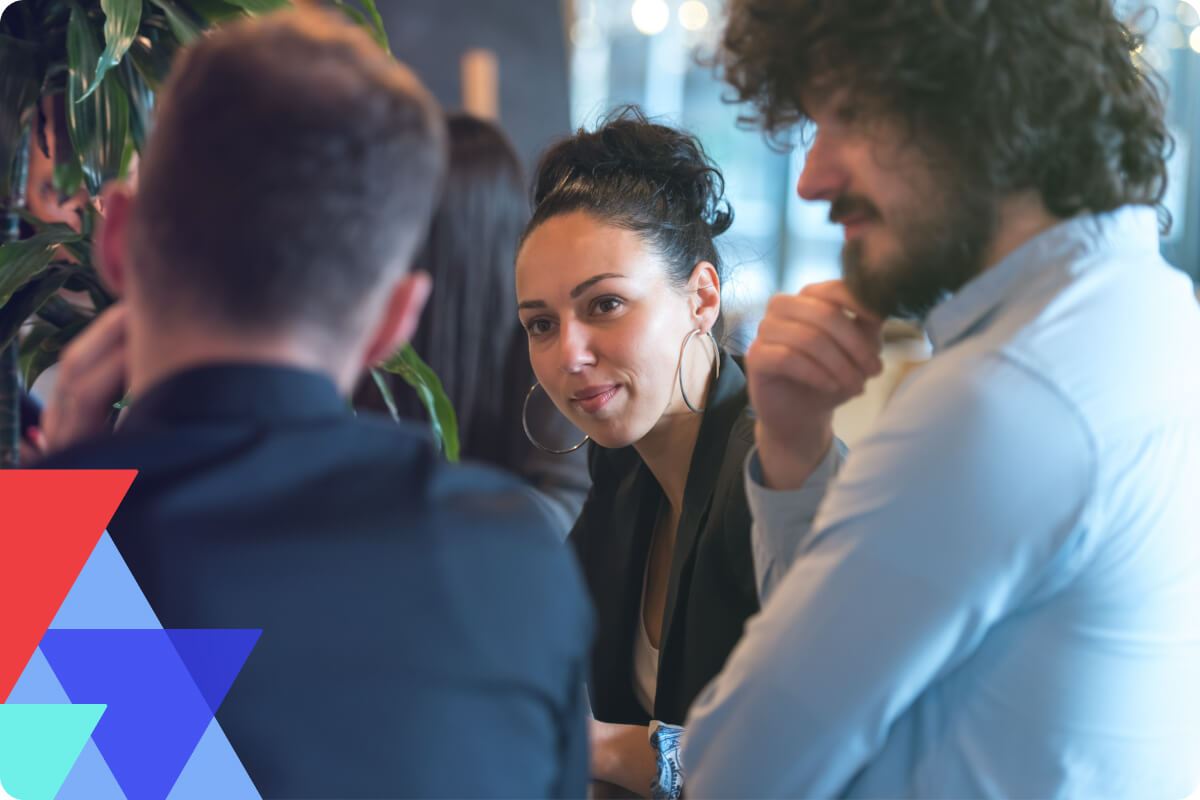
[645, 657]
[998, 596]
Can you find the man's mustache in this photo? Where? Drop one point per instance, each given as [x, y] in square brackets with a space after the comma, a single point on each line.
[849, 206]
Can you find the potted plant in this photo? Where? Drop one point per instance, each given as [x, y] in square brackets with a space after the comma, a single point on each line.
[82, 74]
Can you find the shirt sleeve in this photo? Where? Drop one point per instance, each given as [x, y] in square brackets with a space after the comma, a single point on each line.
[782, 519]
[963, 499]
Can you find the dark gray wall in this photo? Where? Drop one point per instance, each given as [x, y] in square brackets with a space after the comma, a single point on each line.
[527, 37]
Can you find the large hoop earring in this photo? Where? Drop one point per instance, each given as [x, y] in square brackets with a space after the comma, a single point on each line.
[529, 434]
[682, 350]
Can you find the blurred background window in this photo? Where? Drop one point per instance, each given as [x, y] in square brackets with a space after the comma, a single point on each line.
[651, 52]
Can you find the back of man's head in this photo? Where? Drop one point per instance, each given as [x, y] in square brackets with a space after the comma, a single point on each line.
[293, 169]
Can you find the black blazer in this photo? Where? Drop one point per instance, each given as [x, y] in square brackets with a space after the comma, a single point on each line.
[712, 588]
[425, 631]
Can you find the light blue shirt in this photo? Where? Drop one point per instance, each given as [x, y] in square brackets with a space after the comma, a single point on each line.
[999, 595]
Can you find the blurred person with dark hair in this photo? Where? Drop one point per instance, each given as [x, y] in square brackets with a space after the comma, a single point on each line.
[997, 597]
[469, 336]
[619, 282]
[424, 631]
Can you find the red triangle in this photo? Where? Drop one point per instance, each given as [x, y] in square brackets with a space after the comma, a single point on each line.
[50, 522]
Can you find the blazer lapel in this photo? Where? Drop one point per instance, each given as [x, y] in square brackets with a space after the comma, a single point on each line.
[726, 403]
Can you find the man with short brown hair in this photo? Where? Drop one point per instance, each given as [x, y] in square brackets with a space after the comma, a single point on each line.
[424, 631]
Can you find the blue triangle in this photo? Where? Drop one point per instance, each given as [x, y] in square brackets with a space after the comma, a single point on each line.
[214, 657]
[155, 715]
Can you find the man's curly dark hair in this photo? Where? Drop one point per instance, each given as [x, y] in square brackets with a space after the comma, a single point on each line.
[1021, 94]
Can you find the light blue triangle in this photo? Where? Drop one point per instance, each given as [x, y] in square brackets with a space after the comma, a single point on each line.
[90, 778]
[214, 771]
[105, 595]
[38, 684]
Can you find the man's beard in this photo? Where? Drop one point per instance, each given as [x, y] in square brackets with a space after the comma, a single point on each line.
[941, 249]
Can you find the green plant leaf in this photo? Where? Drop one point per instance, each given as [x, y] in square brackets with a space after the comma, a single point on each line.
[385, 391]
[27, 300]
[353, 13]
[183, 25]
[30, 350]
[417, 374]
[371, 20]
[60, 312]
[43, 345]
[68, 176]
[22, 261]
[74, 242]
[99, 125]
[153, 50]
[210, 12]
[377, 22]
[86, 279]
[121, 20]
[260, 6]
[19, 84]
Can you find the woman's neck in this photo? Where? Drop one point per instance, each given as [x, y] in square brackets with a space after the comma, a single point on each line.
[667, 448]
[667, 451]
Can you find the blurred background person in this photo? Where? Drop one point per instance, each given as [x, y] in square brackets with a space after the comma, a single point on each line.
[469, 334]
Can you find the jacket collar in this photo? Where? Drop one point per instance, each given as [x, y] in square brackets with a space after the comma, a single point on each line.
[262, 393]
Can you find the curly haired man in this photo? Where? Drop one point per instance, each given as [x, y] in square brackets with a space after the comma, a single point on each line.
[998, 594]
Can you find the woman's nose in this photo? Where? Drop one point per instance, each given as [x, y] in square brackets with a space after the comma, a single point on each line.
[575, 347]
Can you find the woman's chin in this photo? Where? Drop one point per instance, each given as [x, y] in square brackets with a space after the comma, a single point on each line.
[610, 439]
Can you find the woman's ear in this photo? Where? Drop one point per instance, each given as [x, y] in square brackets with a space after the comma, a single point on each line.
[704, 289]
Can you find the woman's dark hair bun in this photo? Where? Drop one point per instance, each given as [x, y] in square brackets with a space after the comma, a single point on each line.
[630, 161]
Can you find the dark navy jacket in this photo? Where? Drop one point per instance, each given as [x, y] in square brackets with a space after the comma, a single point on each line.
[425, 632]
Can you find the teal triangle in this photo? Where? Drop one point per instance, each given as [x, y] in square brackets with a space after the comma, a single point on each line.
[39, 744]
[213, 657]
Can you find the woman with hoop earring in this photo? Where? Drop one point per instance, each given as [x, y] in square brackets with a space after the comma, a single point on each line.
[619, 291]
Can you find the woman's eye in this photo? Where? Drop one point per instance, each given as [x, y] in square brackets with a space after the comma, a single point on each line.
[606, 305]
[537, 327]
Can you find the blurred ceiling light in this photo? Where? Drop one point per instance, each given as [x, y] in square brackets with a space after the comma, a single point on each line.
[1194, 41]
[650, 16]
[693, 15]
[1187, 14]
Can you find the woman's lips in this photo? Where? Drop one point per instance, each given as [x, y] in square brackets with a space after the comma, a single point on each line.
[594, 398]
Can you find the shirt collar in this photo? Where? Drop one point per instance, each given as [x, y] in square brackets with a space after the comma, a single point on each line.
[265, 393]
[1022, 271]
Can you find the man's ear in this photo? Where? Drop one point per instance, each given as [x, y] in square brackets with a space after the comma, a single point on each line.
[400, 316]
[113, 237]
[704, 287]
